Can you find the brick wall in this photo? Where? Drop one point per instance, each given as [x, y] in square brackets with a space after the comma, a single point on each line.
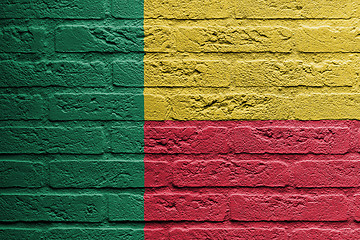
[233, 119]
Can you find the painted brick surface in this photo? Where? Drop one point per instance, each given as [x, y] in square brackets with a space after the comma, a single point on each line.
[55, 208]
[179, 119]
[52, 73]
[24, 174]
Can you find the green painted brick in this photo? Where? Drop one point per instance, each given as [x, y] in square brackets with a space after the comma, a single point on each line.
[127, 139]
[79, 38]
[55, 208]
[21, 107]
[51, 140]
[22, 39]
[22, 174]
[21, 233]
[126, 207]
[128, 73]
[68, 9]
[97, 106]
[97, 174]
[52, 73]
[128, 8]
[95, 233]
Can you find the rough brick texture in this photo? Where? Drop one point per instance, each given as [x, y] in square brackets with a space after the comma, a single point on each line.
[179, 119]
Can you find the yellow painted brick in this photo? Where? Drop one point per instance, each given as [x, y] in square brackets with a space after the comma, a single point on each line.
[328, 39]
[187, 9]
[225, 107]
[296, 9]
[155, 107]
[186, 73]
[158, 39]
[327, 106]
[293, 73]
[233, 39]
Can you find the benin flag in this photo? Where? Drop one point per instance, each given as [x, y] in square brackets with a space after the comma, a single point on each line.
[180, 119]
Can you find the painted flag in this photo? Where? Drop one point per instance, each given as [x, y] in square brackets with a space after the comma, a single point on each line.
[180, 119]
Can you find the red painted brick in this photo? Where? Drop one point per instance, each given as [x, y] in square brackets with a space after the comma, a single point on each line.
[234, 173]
[357, 207]
[277, 139]
[182, 207]
[315, 234]
[158, 234]
[157, 174]
[327, 174]
[288, 208]
[185, 139]
[228, 233]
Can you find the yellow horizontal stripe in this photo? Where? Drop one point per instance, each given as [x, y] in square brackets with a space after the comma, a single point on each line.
[251, 60]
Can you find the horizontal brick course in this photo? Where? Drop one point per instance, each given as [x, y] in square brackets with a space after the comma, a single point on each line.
[219, 173]
[289, 208]
[228, 233]
[181, 207]
[52, 73]
[68, 9]
[97, 174]
[80, 38]
[51, 140]
[22, 174]
[21, 107]
[65, 107]
[22, 39]
[55, 208]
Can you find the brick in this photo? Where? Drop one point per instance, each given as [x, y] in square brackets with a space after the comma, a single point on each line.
[186, 73]
[132, 9]
[326, 174]
[126, 207]
[187, 9]
[20, 233]
[55, 208]
[68, 9]
[157, 174]
[185, 140]
[219, 173]
[298, 9]
[21, 107]
[22, 39]
[21, 174]
[96, 174]
[226, 107]
[127, 139]
[98, 106]
[51, 140]
[328, 39]
[317, 233]
[54, 73]
[95, 233]
[185, 207]
[156, 107]
[227, 233]
[357, 139]
[356, 204]
[288, 208]
[293, 73]
[128, 73]
[158, 38]
[277, 139]
[233, 39]
[80, 38]
[157, 233]
[341, 106]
